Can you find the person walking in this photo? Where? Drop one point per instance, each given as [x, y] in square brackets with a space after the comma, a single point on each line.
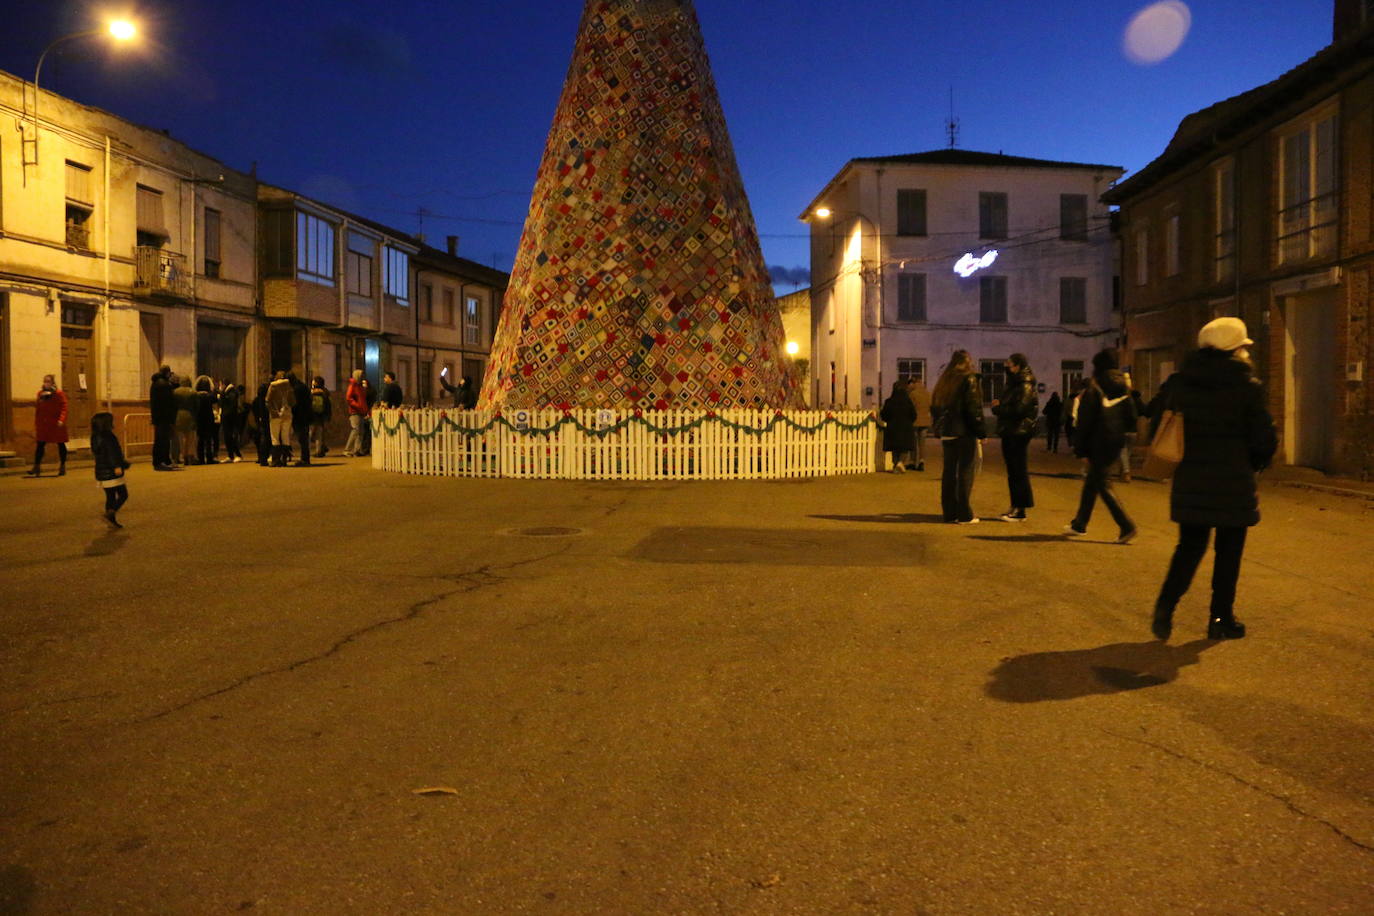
[321, 410]
[1054, 415]
[1228, 438]
[899, 426]
[1105, 413]
[356, 400]
[163, 410]
[1015, 412]
[280, 401]
[920, 399]
[957, 407]
[109, 465]
[49, 425]
[231, 407]
[1071, 410]
[205, 421]
[188, 406]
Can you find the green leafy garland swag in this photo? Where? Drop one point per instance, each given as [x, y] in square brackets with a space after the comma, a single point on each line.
[381, 424]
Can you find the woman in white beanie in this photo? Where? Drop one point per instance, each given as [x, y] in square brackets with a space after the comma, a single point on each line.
[1228, 437]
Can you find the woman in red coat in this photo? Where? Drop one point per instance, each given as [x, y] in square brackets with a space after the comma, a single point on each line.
[50, 425]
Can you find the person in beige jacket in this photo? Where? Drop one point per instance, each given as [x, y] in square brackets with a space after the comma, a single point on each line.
[920, 398]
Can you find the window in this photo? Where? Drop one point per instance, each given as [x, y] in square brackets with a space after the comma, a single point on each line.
[472, 321]
[78, 226]
[1172, 247]
[1073, 300]
[80, 200]
[911, 211]
[152, 228]
[911, 370]
[1073, 217]
[1070, 375]
[450, 307]
[330, 354]
[427, 302]
[911, 297]
[1307, 192]
[1224, 213]
[992, 300]
[276, 243]
[993, 374]
[397, 279]
[314, 249]
[1142, 257]
[992, 215]
[79, 183]
[1116, 294]
[425, 393]
[212, 261]
[362, 250]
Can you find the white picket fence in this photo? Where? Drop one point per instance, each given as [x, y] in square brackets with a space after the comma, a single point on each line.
[424, 441]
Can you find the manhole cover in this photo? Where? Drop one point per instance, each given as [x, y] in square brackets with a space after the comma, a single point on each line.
[551, 531]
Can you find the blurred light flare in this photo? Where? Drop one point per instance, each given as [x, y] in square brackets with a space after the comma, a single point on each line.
[1157, 31]
[122, 29]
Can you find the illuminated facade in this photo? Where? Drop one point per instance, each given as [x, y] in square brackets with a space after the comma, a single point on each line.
[924, 254]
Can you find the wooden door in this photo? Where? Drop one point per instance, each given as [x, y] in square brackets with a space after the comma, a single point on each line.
[78, 381]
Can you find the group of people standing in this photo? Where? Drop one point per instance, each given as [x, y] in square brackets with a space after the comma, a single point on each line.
[1229, 437]
[192, 421]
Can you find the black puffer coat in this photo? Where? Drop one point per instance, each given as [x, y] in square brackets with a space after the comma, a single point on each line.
[1106, 413]
[963, 416]
[1228, 436]
[899, 435]
[1018, 405]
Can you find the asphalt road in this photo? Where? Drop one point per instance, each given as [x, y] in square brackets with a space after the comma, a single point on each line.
[800, 697]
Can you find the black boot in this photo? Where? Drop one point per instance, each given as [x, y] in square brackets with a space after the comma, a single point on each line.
[1227, 627]
[35, 472]
[1163, 624]
[62, 468]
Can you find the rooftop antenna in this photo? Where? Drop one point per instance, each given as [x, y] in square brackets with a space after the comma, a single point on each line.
[952, 123]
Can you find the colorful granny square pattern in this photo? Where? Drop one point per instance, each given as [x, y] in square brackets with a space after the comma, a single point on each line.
[639, 280]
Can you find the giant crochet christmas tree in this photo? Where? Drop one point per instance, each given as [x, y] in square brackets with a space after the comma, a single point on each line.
[639, 281]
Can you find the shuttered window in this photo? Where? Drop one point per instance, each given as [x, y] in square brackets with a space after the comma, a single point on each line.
[79, 183]
[150, 218]
[1073, 217]
[992, 215]
[911, 211]
[911, 297]
[1073, 300]
[992, 300]
[212, 261]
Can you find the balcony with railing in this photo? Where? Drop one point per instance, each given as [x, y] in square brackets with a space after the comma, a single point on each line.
[160, 273]
[1308, 229]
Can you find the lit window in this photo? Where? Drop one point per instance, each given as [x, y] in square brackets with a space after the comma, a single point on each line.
[314, 249]
[396, 283]
[472, 321]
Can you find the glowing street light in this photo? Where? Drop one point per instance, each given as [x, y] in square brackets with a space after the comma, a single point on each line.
[120, 30]
[824, 212]
[793, 348]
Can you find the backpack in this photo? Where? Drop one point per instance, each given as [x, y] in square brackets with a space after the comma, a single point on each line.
[317, 404]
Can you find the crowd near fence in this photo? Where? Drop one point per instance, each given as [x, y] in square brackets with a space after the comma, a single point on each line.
[591, 444]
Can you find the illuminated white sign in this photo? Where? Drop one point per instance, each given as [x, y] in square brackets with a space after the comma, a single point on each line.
[969, 265]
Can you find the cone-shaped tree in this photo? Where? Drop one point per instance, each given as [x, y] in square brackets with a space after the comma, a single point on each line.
[639, 281]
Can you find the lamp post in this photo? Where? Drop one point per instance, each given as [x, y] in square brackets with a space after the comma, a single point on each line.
[871, 296]
[119, 29]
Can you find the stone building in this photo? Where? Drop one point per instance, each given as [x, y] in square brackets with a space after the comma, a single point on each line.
[120, 249]
[1259, 207]
[915, 256]
[458, 307]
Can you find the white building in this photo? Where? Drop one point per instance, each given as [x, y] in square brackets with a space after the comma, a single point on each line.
[904, 272]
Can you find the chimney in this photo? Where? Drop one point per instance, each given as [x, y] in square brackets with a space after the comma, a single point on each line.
[453, 245]
[1349, 16]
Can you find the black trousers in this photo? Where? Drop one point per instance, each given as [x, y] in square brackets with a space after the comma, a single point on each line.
[231, 440]
[162, 444]
[206, 446]
[1192, 544]
[1094, 485]
[956, 482]
[116, 497]
[303, 439]
[263, 441]
[1052, 435]
[61, 453]
[1014, 449]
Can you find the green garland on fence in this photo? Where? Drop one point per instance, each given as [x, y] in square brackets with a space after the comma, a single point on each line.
[567, 418]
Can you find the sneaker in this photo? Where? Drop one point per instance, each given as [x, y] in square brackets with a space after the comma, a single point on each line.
[1073, 531]
[969, 521]
[1127, 536]
[899, 469]
[1014, 515]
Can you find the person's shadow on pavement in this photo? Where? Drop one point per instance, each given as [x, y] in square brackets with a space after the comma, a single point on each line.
[106, 544]
[1075, 673]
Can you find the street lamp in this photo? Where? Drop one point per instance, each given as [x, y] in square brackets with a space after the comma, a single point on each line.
[120, 30]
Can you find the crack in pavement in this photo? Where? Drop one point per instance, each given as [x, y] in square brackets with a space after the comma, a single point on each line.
[1284, 799]
[467, 582]
[92, 696]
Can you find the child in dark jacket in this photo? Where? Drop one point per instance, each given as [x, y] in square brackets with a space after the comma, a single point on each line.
[109, 465]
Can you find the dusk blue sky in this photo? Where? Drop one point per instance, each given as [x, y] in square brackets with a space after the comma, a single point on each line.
[384, 108]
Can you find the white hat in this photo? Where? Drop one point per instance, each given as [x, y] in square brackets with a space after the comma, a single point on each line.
[1224, 334]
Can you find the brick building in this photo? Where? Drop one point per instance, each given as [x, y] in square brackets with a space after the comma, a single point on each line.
[1260, 208]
